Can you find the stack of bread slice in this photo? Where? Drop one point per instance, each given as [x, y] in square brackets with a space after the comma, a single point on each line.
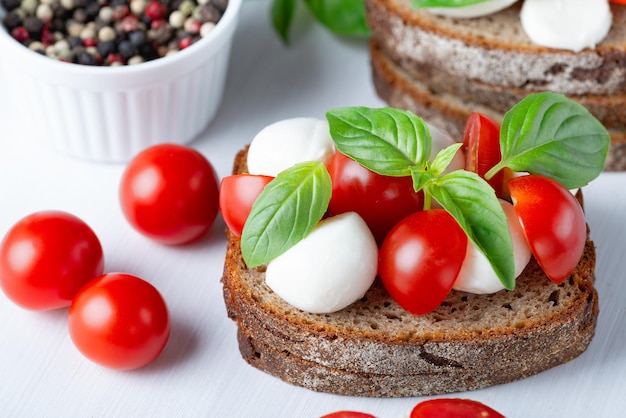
[443, 68]
[375, 348]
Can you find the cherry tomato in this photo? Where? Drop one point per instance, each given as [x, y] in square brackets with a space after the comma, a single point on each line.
[348, 414]
[453, 408]
[381, 201]
[169, 193]
[46, 257]
[237, 194]
[481, 141]
[619, 1]
[553, 223]
[119, 321]
[421, 258]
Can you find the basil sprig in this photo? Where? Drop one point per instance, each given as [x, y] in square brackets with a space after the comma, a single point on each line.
[549, 134]
[397, 143]
[342, 17]
[444, 3]
[285, 212]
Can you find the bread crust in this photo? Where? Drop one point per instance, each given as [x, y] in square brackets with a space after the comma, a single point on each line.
[374, 348]
[495, 50]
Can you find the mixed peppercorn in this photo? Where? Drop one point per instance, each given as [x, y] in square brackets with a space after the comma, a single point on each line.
[110, 32]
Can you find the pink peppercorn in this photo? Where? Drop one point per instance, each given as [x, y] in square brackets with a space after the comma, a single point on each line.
[129, 23]
[184, 42]
[20, 34]
[87, 42]
[155, 10]
[156, 24]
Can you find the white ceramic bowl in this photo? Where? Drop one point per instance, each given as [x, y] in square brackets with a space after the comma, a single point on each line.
[109, 114]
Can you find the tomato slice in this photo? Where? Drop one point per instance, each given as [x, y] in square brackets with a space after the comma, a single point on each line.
[553, 222]
[421, 258]
[348, 414]
[382, 201]
[453, 408]
[237, 195]
[481, 141]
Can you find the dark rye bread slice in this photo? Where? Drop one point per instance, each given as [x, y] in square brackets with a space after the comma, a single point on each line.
[375, 348]
[449, 109]
[442, 68]
[495, 50]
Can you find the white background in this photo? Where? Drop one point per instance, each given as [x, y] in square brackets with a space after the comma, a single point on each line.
[200, 373]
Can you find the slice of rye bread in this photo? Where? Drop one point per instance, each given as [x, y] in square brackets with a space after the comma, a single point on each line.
[375, 348]
[443, 68]
[495, 50]
[449, 111]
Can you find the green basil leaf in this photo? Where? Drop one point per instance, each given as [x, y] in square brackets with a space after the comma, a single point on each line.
[285, 212]
[474, 205]
[283, 12]
[548, 134]
[444, 158]
[387, 141]
[444, 3]
[344, 17]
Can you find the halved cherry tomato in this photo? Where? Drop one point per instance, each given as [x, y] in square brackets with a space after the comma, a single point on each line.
[46, 257]
[453, 408]
[237, 194]
[481, 141]
[169, 193]
[119, 321]
[421, 258]
[348, 414]
[553, 223]
[381, 201]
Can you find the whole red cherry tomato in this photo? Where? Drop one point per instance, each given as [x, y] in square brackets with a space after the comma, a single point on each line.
[237, 194]
[453, 408]
[169, 193]
[348, 414]
[381, 201]
[421, 258]
[46, 257]
[553, 223]
[119, 321]
[481, 141]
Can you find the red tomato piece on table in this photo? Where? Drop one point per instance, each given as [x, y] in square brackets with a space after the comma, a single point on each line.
[553, 222]
[348, 414]
[169, 193]
[237, 195]
[481, 141]
[421, 258]
[119, 321]
[46, 257]
[381, 201]
[453, 408]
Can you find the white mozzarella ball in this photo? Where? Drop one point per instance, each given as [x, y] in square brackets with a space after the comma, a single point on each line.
[291, 141]
[441, 140]
[473, 10]
[477, 275]
[329, 269]
[571, 24]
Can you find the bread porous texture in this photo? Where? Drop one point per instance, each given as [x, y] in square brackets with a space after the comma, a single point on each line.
[375, 348]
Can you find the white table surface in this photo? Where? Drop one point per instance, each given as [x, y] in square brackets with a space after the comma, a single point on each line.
[200, 373]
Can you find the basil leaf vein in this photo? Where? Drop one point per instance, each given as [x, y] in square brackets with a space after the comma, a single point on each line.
[548, 134]
[387, 141]
[285, 212]
[474, 205]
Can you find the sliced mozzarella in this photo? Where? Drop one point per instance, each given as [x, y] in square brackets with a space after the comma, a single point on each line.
[329, 269]
[441, 140]
[477, 275]
[566, 24]
[474, 10]
[282, 144]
